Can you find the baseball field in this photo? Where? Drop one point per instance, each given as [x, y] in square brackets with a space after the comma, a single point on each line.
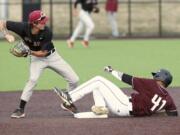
[44, 116]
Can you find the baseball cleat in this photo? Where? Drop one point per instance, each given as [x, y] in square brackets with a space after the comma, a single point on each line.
[18, 113]
[65, 97]
[99, 110]
[85, 43]
[71, 108]
[70, 44]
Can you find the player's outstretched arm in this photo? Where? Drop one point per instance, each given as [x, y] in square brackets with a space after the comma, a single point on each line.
[10, 38]
[119, 75]
[116, 74]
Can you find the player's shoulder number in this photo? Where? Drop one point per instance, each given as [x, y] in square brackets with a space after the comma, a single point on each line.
[156, 100]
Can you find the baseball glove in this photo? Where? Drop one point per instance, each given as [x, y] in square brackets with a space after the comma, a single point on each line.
[20, 50]
[96, 9]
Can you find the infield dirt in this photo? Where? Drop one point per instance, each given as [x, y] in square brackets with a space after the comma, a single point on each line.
[45, 117]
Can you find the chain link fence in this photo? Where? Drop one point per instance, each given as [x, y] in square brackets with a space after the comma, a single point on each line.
[136, 18]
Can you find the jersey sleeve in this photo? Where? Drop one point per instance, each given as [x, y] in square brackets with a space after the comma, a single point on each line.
[143, 84]
[171, 106]
[16, 27]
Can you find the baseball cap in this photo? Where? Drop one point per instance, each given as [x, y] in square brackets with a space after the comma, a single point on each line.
[38, 16]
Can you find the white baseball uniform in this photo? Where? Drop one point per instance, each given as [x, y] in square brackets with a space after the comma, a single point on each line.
[105, 93]
[40, 42]
[86, 21]
[54, 62]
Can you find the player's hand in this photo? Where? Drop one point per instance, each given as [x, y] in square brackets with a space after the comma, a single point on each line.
[10, 38]
[1, 25]
[108, 69]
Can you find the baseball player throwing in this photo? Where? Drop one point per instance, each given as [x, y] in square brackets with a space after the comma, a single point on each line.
[151, 95]
[87, 6]
[38, 37]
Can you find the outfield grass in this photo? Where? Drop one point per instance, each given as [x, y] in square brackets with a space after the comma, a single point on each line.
[136, 57]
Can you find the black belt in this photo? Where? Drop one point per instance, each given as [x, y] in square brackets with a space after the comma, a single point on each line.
[130, 100]
[130, 112]
[50, 52]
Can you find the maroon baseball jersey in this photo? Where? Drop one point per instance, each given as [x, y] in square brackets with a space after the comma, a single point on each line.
[111, 5]
[150, 97]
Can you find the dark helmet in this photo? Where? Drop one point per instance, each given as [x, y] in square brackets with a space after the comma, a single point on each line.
[164, 76]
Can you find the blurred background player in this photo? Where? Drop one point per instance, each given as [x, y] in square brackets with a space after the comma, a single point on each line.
[85, 20]
[111, 8]
[38, 37]
[151, 95]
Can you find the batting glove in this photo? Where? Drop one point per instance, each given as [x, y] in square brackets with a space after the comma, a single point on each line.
[108, 69]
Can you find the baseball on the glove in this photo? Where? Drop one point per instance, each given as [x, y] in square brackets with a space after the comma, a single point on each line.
[20, 50]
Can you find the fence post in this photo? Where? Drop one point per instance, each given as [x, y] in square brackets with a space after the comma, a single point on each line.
[160, 18]
[70, 18]
[4, 9]
[129, 18]
[51, 15]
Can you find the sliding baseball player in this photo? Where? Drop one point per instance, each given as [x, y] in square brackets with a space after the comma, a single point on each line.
[151, 95]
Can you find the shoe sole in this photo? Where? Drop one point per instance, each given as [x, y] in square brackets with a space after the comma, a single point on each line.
[65, 109]
[17, 117]
[62, 98]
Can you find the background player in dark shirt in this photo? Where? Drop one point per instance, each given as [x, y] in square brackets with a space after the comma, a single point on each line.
[38, 37]
[150, 97]
[85, 21]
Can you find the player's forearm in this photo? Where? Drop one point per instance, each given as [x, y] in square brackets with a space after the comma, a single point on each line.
[10, 38]
[122, 77]
[3, 28]
[117, 74]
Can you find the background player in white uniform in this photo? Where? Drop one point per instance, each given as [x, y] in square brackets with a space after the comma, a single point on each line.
[38, 37]
[111, 9]
[150, 97]
[87, 6]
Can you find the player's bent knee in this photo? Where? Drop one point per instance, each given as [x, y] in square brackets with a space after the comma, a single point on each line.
[99, 78]
[92, 27]
[75, 80]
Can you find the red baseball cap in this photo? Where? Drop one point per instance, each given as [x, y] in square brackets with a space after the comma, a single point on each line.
[38, 16]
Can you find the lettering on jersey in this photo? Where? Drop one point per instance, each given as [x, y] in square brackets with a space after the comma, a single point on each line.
[40, 38]
[36, 43]
[157, 100]
[27, 39]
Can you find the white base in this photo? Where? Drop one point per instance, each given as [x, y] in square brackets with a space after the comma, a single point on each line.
[87, 115]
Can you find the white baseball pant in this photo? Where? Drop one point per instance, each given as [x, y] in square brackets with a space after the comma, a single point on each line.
[54, 62]
[105, 93]
[113, 23]
[85, 21]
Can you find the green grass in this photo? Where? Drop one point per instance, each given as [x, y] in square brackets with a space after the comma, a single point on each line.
[136, 57]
